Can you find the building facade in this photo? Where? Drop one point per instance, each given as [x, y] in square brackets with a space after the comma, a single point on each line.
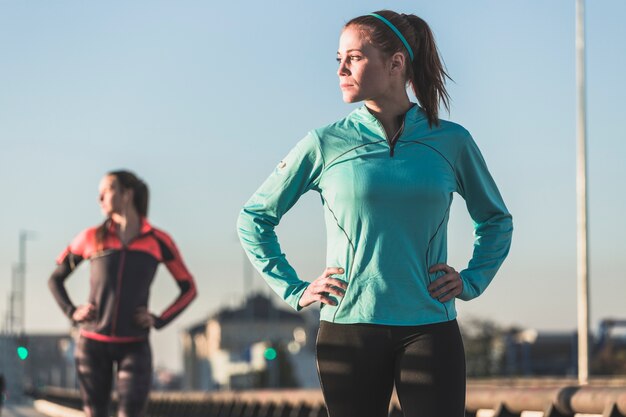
[253, 346]
[32, 361]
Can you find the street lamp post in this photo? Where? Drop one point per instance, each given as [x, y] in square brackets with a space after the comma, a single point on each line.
[581, 199]
[18, 290]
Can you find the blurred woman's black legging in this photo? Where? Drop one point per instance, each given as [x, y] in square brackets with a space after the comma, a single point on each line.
[359, 364]
[94, 364]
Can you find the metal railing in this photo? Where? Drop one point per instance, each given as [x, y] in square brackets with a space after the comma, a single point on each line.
[509, 398]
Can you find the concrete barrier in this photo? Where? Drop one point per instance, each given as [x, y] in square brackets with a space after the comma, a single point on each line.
[507, 398]
[51, 409]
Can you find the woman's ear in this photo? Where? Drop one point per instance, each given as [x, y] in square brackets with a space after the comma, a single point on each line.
[397, 63]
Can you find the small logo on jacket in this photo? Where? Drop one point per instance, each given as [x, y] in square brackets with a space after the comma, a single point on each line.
[282, 164]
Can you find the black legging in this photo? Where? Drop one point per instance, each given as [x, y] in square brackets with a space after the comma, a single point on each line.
[358, 365]
[94, 364]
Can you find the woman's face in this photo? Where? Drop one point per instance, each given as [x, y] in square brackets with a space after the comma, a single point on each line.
[113, 198]
[363, 72]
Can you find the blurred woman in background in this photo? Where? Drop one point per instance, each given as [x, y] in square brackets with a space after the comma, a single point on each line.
[124, 253]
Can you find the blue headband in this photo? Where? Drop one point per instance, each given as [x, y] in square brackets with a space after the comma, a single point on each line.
[396, 31]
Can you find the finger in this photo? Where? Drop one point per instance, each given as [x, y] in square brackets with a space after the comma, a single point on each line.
[333, 290]
[322, 285]
[446, 280]
[333, 270]
[326, 300]
[443, 290]
[305, 301]
[337, 283]
[442, 280]
[436, 293]
[443, 298]
[450, 295]
[454, 288]
[440, 267]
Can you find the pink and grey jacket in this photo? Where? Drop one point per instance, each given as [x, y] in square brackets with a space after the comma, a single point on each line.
[120, 280]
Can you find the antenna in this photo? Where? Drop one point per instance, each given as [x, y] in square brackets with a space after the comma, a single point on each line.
[17, 308]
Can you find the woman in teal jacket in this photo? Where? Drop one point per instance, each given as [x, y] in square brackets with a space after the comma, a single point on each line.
[386, 175]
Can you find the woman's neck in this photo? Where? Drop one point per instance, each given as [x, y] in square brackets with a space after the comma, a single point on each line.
[389, 112]
[128, 225]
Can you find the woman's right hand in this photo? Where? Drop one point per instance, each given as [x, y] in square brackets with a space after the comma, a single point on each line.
[85, 312]
[322, 287]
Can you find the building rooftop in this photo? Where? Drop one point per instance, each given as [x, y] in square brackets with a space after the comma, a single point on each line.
[257, 307]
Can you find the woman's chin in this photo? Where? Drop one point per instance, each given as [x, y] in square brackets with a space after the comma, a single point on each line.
[349, 98]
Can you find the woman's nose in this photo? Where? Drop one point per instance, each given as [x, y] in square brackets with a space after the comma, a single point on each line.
[343, 69]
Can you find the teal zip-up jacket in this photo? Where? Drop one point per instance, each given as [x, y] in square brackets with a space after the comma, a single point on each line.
[386, 209]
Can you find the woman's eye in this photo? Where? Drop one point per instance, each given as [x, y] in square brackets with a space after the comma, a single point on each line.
[350, 58]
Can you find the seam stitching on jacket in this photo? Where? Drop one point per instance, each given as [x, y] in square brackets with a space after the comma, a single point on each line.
[315, 182]
[351, 149]
[428, 250]
[353, 255]
[456, 178]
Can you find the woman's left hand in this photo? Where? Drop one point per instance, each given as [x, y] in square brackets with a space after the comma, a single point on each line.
[143, 318]
[447, 286]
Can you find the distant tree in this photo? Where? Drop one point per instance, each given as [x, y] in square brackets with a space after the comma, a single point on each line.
[610, 359]
[286, 371]
[279, 372]
[484, 347]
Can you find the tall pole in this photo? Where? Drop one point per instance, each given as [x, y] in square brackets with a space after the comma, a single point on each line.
[581, 199]
[22, 287]
[18, 290]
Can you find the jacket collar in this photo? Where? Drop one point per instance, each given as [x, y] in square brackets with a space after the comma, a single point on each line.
[145, 228]
[363, 115]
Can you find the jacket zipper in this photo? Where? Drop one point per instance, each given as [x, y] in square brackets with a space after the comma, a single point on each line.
[120, 270]
[392, 142]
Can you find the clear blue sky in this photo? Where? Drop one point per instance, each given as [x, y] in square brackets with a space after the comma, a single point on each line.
[202, 99]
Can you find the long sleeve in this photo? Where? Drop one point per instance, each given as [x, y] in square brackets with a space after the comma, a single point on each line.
[296, 174]
[66, 263]
[493, 226]
[186, 284]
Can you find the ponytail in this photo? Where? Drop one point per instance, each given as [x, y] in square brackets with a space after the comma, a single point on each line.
[140, 198]
[425, 72]
[101, 232]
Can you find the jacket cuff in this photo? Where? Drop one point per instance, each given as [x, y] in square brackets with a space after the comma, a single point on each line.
[70, 313]
[158, 322]
[465, 295]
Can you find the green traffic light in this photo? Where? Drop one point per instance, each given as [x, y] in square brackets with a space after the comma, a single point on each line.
[270, 354]
[22, 352]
